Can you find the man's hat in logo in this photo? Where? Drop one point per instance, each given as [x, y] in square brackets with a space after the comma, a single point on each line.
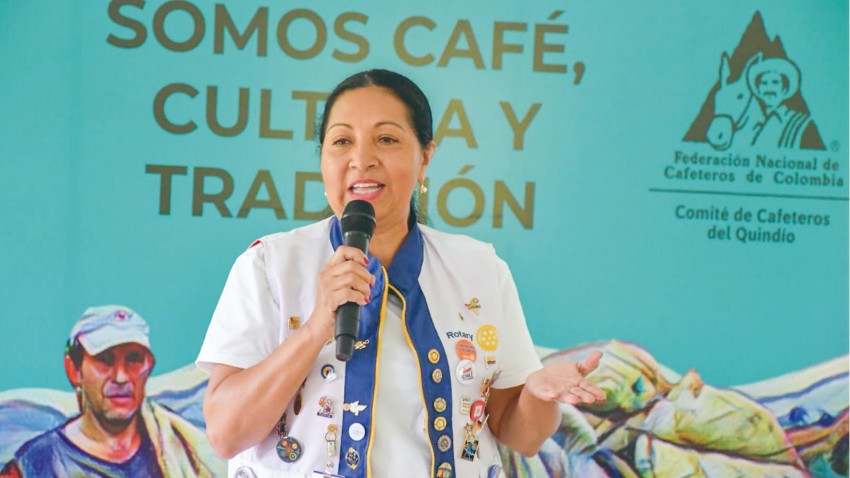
[106, 326]
[781, 66]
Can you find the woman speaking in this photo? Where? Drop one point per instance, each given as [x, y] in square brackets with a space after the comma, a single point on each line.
[443, 365]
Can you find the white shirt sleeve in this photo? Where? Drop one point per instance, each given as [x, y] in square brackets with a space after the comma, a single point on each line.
[245, 327]
[518, 355]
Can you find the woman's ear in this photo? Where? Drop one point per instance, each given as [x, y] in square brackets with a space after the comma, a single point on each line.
[427, 154]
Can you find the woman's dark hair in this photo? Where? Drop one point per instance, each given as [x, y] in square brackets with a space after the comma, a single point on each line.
[419, 110]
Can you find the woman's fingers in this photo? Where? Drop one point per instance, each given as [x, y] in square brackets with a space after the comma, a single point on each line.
[565, 382]
[348, 253]
[595, 391]
[349, 276]
[345, 279]
[590, 363]
[575, 395]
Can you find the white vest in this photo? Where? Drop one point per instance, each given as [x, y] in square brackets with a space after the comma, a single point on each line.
[455, 311]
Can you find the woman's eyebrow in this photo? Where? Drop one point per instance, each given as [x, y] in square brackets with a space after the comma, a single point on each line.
[344, 125]
[393, 123]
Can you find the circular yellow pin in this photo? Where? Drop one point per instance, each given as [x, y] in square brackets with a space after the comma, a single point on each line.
[433, 356]
[439, 404]
[440, 424]
[487, 337]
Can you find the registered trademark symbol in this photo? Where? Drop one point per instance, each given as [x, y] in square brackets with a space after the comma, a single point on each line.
[834, 146]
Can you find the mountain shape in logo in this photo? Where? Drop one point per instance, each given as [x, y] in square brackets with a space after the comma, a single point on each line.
[757, 100]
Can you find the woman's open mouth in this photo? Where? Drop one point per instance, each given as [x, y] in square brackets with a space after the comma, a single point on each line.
[366, 189]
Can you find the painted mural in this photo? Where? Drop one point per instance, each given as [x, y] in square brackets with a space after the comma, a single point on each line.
[667, 181]
[654, 423]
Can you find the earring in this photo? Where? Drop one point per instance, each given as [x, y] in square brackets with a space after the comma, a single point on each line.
[423, 188]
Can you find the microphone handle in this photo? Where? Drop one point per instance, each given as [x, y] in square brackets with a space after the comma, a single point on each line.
[346, 329]
[347, 326]
[356, 239]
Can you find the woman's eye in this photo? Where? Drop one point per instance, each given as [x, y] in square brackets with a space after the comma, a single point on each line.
[340, 142]
[387, 139]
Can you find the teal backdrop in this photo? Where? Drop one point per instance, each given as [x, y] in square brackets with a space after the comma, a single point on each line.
[602, 254]
[145, 144]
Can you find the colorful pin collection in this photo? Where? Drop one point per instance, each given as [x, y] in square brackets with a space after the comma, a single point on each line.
[486, 338]
[289, 449]
[477, 419]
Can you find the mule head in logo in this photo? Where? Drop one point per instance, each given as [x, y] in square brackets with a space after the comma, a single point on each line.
[737, 114]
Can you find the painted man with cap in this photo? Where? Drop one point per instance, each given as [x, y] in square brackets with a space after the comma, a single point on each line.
[118, 432]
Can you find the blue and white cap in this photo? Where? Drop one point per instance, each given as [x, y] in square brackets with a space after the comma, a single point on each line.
[106, 326]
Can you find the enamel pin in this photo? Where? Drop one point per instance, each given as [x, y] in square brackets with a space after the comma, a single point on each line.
[473, 305]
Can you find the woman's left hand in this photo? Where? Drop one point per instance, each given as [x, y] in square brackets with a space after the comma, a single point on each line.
[565, 382]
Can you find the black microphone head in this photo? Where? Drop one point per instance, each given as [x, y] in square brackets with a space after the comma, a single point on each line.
[358, 216]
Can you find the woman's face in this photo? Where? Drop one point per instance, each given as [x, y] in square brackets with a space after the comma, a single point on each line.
[371, 152]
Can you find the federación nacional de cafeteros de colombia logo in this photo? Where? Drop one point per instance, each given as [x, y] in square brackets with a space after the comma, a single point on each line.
[757, 100]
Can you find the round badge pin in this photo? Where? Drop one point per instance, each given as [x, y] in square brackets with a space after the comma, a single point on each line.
[444, 443]
[433, 356]
[352, 458]
[356, 431]
[437, 375]
[466, 350]
[439, 404]
[445, 471]
[440, 424]
[487, 337]
[476, 411]
[465, 372]
[289, 449]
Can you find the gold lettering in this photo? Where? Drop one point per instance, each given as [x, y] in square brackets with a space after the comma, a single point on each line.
[263, 178]
[165, 174]
[398, 41]
[266, 130]
[199, 196]
[462, 28]
[301, 212]
[541, 47]
[138, 28]
[159, 26]
[310, 118]
[499, 45]
[159, 108]
[455, 107]
[502, 195]
[360, 41]
[212, 113]
[318, 25]
[259, 23]
[519, 127]
[477, 209]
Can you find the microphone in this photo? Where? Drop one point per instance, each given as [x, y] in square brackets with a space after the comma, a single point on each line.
[358, 224]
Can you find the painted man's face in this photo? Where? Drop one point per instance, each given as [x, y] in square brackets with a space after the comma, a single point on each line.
[113, 383]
